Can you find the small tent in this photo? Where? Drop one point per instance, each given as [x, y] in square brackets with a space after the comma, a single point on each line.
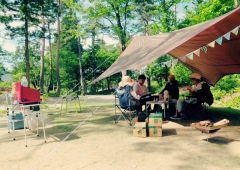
[211, 48]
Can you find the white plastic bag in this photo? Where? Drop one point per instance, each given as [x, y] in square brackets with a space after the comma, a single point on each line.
[24, 81]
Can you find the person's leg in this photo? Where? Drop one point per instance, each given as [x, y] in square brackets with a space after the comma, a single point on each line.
[157, 108]
[149, 99]
[142, 102]
[179, 107]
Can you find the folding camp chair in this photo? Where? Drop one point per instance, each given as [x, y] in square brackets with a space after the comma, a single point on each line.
[126, 104]
[204, 100]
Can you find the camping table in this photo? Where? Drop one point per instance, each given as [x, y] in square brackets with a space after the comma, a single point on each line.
[25, 113]
[161, 102]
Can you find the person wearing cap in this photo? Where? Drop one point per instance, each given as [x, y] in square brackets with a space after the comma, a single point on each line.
[197, 85]
[171, 87]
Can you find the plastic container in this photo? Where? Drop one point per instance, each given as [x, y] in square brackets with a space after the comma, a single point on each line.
[17, 119]
[24, 81]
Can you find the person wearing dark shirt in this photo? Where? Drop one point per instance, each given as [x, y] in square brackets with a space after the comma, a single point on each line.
[171, 87]
[173, 91]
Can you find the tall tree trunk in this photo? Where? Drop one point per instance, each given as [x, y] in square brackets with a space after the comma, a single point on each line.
[147, 34]
[42, 55]
[57, 51]
[26, 46]
[236, 3]
[93, 61]
[175, 15]
[122, 35]
[80, 67]
[108, 79]
[50, 85]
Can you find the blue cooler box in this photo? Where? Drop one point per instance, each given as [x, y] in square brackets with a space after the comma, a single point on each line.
[17, 125]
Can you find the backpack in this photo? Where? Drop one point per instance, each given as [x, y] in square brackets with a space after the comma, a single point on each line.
[208, 97]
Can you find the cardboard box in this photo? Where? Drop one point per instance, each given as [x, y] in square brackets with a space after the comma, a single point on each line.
[155, 131]
[139, 129]
[155, 119]
[18, 124]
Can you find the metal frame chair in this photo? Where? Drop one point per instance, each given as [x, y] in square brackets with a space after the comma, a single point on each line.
[126, 104]
[67, 99]
[198, 109]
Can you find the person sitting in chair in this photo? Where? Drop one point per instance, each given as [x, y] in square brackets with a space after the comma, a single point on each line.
[173, 91]
[140, 91]
[127, 81]
[171, 87]
[196, 80]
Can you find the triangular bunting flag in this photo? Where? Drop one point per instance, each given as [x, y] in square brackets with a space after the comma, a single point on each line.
[204, 48]
[175, 61]
[168, 64]
[183, 58]
[235, 31]
[219, 40]
[227, 36]
[190, 56]
[212, 44]
[197, 52]
[173, 65]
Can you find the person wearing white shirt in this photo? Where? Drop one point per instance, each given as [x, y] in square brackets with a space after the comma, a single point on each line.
[140, 91]
[140, 88]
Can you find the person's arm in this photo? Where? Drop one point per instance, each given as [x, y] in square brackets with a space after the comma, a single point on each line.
[189, 88]
[136, 89]
[165, 88]
[134, 93]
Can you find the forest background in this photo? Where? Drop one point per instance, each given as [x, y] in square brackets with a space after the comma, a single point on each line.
[66, 66]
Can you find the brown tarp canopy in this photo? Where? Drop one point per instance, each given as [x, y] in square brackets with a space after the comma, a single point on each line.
[212, 65]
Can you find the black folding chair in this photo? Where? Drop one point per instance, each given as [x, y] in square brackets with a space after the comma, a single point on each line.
[200, 109]
[126, 104]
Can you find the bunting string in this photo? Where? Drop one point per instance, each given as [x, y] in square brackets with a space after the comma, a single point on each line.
[204, 48]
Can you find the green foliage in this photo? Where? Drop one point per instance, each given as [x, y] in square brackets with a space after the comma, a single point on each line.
[119, 19]
[206, 10]
[182, 74]
[19, 67]
[2, 71]
[5, 85]
[159, 74]
[226, 85]
[234, 103]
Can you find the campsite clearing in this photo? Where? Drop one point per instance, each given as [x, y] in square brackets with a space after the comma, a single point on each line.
[99, 143]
